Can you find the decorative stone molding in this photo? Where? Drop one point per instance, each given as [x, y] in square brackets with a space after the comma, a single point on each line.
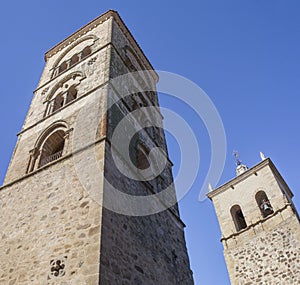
[76, 76]
[92, 25]
[92, 61]
[76, 43]
[45, 91]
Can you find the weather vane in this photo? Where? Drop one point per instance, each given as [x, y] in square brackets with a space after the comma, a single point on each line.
[236, 155]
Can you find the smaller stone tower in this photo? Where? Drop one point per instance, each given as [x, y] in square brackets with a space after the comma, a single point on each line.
[259, 225]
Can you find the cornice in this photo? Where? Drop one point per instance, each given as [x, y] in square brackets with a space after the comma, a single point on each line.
[63, 107]
[252, 171]
[79, 33]
[260, 221]
[92, 25]
[70, 155]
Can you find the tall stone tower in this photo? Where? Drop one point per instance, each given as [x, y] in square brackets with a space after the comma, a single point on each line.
[74, 208]
[259, 225]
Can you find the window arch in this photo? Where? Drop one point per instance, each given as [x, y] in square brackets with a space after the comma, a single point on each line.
[52, 148]
[49, 147]
[142, 157]
[58, 102]
[62, 67]
[238, 217]
[72, 60]
[134, 64]
[139, 102]
[71, 94]
[70, 56]
[86, 51]
[65, 96]
[64, 92]
[264, 204]
[79, 44]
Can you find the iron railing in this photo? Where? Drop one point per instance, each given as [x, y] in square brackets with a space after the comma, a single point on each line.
[51, 158]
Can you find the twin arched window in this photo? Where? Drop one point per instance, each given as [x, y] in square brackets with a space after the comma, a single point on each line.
[61, 99]
[263, 204]
[64, 98]
[72, 61]
[63, 92]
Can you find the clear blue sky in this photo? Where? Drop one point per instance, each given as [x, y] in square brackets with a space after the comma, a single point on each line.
[244, 54]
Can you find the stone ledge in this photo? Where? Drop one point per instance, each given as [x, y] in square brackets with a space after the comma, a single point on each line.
[65, 106]
[248, 173]
[257, 222]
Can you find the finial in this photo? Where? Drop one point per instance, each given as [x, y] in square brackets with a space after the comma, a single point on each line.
[236, 155]
[210, 188]
[241, 168]
[262, 156]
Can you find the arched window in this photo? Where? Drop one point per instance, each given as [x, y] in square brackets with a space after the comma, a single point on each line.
[74, 59]
[264, 204]
[142, 157]
[135, 106]
[86, 51]
[139, 102]
[71, 61]
[62, 67]
[238, 218]
[58, 102]
[64, 97]
[52, 148]
[71, 94]
[63, 92]
[71, 55]
[49, 147]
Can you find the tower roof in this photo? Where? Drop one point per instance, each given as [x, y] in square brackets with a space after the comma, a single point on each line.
[247, 173]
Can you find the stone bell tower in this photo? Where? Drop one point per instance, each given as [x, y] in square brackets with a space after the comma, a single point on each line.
[260, 226]
[74, 209]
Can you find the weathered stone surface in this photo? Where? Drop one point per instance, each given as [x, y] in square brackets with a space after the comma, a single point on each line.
[31, 242]
[267, 250]
[53, 229]
[269, 258]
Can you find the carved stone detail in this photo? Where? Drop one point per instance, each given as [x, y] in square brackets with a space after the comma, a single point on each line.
[92, 61]
[58, 267]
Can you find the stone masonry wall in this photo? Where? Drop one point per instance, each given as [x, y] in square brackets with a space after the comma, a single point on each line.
[95, 75]
[271, 258]
[45, 218]
[266, 250]
[52, 231]
[139, 249]
[144, 249]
